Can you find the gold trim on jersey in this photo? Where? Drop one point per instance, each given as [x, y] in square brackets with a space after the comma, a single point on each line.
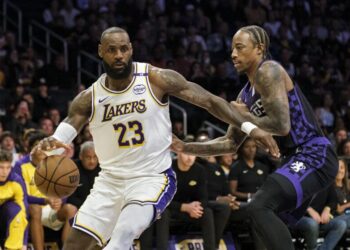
[113, 92]
[92, 103]
[151, 92]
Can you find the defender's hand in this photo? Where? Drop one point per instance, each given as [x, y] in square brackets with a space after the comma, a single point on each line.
[266, 141]
[38, 153]
[177, 145]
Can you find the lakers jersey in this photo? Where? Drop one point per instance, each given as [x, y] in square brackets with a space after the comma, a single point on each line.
[131, 129]
[304, 125]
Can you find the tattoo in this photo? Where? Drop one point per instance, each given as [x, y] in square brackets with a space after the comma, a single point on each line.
[80, 110]
[210, 148]
[175, 84]
[270, 84]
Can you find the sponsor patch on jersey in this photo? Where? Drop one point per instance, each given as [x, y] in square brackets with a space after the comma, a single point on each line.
[139, 89]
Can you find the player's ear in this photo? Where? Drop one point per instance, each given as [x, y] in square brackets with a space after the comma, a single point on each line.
[261, 49]
[100, 50]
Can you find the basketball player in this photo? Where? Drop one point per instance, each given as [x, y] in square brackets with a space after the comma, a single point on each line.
[273, 102]
[13, 204]
[128, 113]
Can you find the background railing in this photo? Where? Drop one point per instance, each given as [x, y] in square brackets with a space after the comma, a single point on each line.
[12, 19]
[88, 67]
[184, 115]
[45, 39]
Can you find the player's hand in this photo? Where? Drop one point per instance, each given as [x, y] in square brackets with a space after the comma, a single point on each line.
[177, 145]
[55, 203]
[39, 152]
[266, 141]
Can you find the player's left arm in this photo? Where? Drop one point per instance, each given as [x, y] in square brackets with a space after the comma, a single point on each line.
[270, 84]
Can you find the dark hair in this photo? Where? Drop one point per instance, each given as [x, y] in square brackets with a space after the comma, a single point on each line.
[7, 134]
[259, 36]
[341, 145]
[34, 138]
[112, 30]
[5, 156]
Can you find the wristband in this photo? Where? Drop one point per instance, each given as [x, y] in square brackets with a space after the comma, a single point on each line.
[247, 127]
[65, 133]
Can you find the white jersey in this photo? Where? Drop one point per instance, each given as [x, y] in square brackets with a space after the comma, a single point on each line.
[131, 129]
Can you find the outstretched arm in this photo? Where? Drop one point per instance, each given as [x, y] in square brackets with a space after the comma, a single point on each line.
[78, 115]
[270, 84]
[173, 83]
[226, 144]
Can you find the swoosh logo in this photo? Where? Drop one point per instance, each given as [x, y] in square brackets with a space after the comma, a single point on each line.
[101, 100]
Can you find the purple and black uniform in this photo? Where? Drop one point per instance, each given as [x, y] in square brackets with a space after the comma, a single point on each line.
[309, 161]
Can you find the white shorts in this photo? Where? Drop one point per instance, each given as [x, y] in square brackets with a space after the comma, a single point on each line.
[49, 218]
[100, 211]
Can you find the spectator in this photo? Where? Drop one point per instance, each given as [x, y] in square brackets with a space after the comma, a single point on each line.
[8, 143]
[46, 125]
[40, 215]
[13, 204]
[226, 162]
[247, 174]
[319, 219]
[343, 196]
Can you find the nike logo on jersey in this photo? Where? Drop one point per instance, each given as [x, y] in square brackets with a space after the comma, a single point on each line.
[102, 99]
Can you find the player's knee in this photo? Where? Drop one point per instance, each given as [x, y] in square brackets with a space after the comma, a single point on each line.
[133, 230]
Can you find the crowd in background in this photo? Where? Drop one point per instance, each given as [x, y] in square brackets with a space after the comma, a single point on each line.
[310, 38]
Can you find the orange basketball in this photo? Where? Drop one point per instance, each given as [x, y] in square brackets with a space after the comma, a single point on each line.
[57, 176]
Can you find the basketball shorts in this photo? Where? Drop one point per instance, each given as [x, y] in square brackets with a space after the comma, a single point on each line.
[100, 211]
[49, 218]
[311, 168]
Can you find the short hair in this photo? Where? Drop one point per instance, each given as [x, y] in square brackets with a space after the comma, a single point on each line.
[5, 156]
[6, 134]
[34, 138]
[258, 36]
[85, 146]
[112, 30]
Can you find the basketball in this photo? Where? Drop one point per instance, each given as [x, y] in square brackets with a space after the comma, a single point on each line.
[57, 176]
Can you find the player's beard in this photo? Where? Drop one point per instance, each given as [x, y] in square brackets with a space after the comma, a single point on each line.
[118, 73]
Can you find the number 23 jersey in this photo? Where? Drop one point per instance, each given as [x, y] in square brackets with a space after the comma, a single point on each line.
[131, 128]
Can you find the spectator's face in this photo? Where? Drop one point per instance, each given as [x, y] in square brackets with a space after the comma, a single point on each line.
[5, 169]
[186, 160]
[341, 170]
[47, 126]
[346, 149]
[116, 52]
[89, 159]
[244, 52]
[249, 149]
[341, 135]
[227, 160]
[55, 115]
[8, 143]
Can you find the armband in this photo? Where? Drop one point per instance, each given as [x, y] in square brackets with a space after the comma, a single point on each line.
[65, 133]
[247, 127]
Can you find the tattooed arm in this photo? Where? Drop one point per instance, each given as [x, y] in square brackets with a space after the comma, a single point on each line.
[169, 82]
[270, 84]
[172, 83]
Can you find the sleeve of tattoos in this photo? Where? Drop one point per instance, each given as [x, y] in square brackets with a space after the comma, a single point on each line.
[175, 84]
[270, 83]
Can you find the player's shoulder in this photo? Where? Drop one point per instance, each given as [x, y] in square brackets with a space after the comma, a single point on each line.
[268, 65]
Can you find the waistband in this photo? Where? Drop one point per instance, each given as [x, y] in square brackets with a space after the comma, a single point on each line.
[314, 141]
